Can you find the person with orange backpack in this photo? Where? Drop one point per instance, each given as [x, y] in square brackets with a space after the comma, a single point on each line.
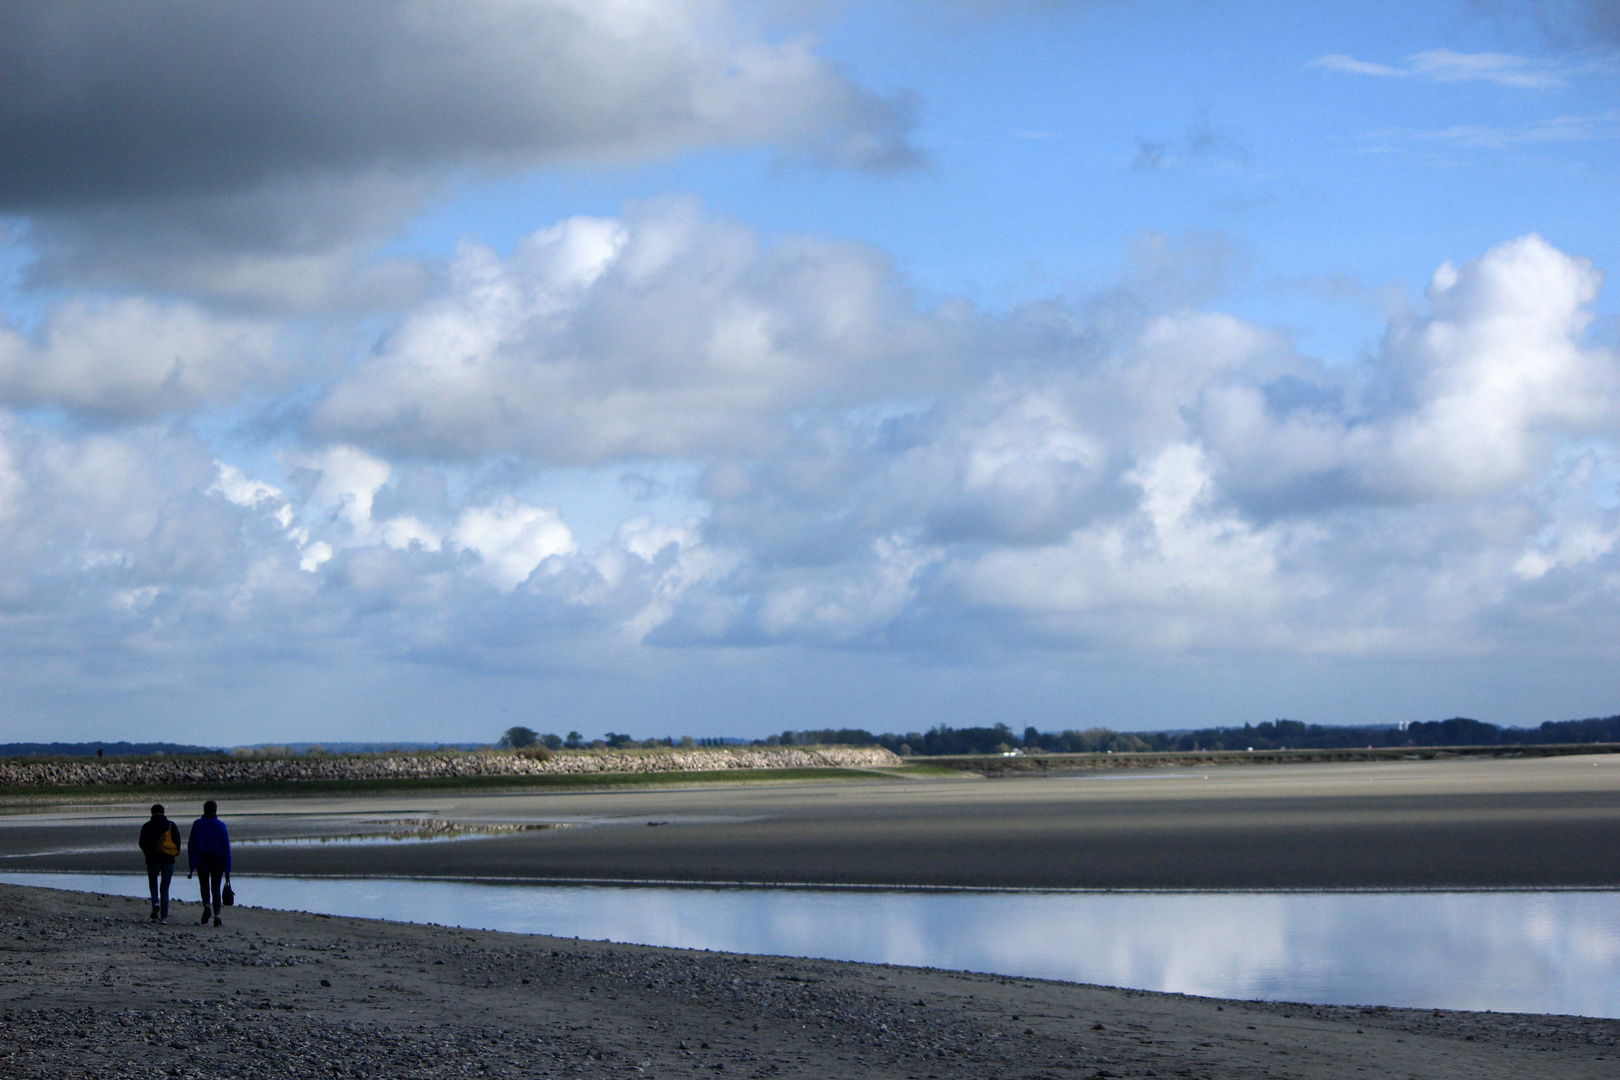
[160, 843]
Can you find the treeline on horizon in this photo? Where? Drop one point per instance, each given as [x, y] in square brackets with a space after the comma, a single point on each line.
[1271, 735]
[113, 749]
[999, 739]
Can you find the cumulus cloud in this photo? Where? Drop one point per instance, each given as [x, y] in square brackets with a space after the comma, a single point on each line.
[1185, 480]
[511, 539]
[1181, 568]
[135, 359]
[1132, 475]
[262, 141]
[1466, 401]
[99, 525]
[1198, 483]
[667, 333]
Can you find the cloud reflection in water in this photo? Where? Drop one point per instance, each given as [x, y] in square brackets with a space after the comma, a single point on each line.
[1552, 952]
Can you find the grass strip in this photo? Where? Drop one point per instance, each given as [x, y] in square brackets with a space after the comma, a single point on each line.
[917, 770]
[542, 782]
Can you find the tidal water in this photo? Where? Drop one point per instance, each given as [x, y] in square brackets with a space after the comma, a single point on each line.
[1541, 952]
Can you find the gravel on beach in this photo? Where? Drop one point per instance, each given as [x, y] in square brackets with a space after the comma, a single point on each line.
[89, 987]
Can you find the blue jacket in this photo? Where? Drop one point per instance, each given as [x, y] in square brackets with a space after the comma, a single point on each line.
[208, 837]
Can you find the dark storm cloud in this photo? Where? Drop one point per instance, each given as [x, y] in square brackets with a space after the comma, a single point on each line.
[256, 152]
[111, 101]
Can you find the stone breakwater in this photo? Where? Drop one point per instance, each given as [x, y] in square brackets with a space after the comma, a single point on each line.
[22, 773]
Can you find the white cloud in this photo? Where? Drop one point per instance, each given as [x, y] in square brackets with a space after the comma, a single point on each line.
[234, 485]
[1352, 66]
[1558, 129]
[1472, 396]
[348, 479]
[1127, 476]
[665, 334]
[511, 539]
[1181, 569]
[849, 607]
[134, 359]
[1582, 525]
[1446, 65]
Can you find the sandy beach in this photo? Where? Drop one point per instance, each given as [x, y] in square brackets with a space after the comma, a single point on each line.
[1533, 823]
[90, 988]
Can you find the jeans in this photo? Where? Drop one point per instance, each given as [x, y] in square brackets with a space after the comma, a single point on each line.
[157, 873]
[210, 875]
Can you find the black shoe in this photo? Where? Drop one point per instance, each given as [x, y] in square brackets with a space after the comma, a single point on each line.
[154, 914]
[217, 922]
[206, 914]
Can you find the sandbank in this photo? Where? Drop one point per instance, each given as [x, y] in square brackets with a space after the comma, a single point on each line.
[1521, 823]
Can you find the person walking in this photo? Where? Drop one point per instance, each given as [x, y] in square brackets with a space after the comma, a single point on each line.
[209, 850]
[160, 843]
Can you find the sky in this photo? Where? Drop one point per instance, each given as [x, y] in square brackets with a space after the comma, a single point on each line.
[410, 370]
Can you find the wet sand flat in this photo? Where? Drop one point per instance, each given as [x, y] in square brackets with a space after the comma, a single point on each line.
[1466, 823]
[90, 988]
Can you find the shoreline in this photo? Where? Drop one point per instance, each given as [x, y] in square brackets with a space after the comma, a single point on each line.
[815, 886]
[1302, 947]
[112, 995]
[575, 772]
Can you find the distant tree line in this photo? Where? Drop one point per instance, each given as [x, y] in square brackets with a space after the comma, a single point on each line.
[520, 738]
[1001, 739]
[1272, 735]
[1458, 731]
[971, 740]
[107, 749]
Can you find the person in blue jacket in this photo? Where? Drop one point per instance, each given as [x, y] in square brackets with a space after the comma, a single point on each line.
[209, 849]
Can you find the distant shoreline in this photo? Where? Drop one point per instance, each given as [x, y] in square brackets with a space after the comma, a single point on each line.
[879, 887]
[607, 770]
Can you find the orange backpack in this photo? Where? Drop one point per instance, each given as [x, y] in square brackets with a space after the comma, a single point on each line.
[168, 847]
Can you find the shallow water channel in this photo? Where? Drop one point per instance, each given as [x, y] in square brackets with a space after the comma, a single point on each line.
[1545, 952]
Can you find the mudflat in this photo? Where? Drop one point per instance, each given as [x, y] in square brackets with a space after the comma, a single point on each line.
[89, 987]
[1532, 823]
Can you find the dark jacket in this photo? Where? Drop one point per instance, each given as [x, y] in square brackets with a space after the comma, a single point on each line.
[151, 833]
[209, 840]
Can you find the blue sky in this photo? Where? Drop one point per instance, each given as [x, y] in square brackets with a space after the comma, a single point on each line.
[409, 371]
[1058, 136]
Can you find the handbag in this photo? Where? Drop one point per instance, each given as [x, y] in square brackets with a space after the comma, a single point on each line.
[227, 895]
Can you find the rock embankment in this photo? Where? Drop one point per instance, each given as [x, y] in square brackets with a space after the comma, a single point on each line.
[154, 771]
